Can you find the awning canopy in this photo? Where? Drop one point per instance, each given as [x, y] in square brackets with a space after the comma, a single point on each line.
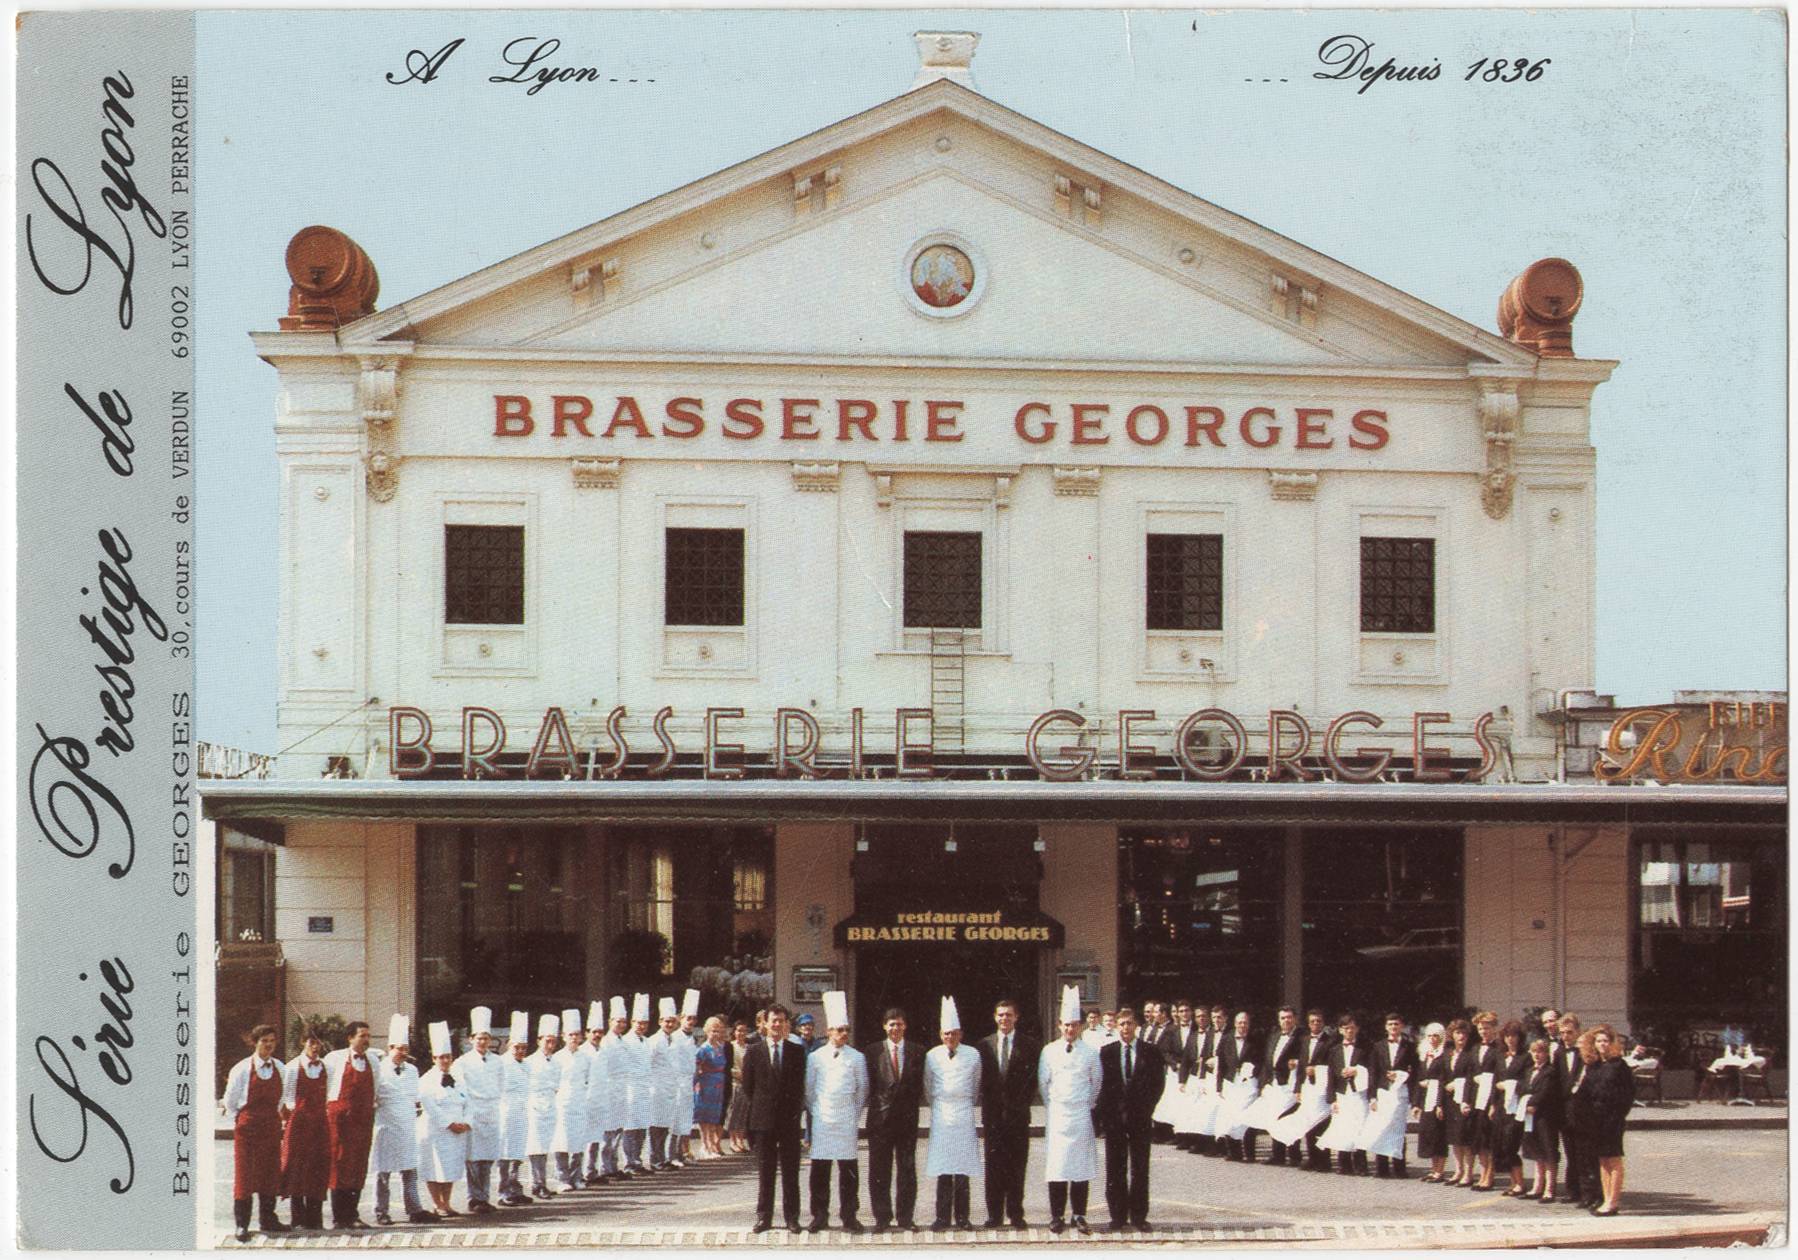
[1104, 801]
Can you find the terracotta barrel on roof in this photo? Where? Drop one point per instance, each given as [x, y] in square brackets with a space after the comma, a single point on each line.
[333, 281]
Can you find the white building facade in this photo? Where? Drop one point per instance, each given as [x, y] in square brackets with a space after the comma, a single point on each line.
[813, 574]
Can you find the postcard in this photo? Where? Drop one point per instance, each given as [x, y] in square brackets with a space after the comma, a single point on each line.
[617, 605]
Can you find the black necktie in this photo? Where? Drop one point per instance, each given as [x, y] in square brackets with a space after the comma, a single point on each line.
[397, 1067]
[1004, 1053]
[774, 1053]
[1127, 1049]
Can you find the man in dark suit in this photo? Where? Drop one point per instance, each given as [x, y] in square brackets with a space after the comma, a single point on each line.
[1007, 1088]
[1131, 1078]
[895, 1092]
[1569, 1067]
[1397, 1053]
[774, 1082]
[1284, 1065]
[1241, 1047]
[1319, 1041]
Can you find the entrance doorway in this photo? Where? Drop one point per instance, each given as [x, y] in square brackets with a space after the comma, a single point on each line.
[915, 978]
[986, 870]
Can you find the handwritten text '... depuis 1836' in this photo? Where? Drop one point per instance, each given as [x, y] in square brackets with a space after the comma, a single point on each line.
[1352, 59]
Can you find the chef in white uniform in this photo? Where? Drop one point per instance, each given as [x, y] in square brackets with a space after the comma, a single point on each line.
[638, 1088]
[479, 1074]
[545, 1079]
[395, 1146]
[952, 1091]
[836, 1092]
[443, 1125]
[664, 1076]
[571, 1103]
[688, 1047]
[1069, 1078]
[589, 1174]
[514, 1109]
[609, 1070]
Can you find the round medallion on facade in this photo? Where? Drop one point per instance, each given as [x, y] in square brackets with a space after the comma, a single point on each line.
[944, 275]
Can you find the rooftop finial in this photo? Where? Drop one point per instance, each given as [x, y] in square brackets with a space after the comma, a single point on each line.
[945, 55]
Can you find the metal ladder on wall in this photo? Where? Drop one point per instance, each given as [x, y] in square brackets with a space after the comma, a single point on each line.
[948, 688]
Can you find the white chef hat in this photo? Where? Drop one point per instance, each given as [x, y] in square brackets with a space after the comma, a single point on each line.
[665, 1008]
[1070, 1004]
[640, 1008]
[399, 1031]
[618, 1009]
[596, 1013]
[521, 1026]
[480, 1020]
[440, 1039]
[836, 1009]
[689, 1003]
[950, 1022]
[571, 1021]
[548, 1026]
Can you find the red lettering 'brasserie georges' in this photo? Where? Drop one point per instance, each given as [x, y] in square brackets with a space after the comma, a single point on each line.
[939, 420]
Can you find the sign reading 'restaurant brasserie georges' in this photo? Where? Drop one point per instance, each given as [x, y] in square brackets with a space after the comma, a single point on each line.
[797, 745]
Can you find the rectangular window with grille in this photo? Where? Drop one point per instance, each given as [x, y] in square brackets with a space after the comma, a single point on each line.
[1186, 582]
[942, 580]
[1398, 585]
[483, 575]
[703, 577]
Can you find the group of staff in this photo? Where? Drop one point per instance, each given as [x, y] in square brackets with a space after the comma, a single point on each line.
[614, 1101]
[1492, 1096]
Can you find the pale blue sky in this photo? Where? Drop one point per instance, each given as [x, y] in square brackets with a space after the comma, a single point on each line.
[1650, 153]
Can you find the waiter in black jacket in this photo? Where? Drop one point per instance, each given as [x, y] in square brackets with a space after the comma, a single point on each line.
[1284, 1065]
[1569, 1067]
[1007, 1088]
[774, 1082]
[1242, 1045]
[1318, 1043]
[1397, 1053]
[1205, 1064]
[1348, 1053]
[1179, 1047]
[895, 1092]
[1131, 1078]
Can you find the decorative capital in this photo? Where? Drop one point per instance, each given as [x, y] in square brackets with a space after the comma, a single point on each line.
[1498, 414]
[379, 389]
[821, 476]
[1292, 485]
[1078, 482]
[1002, 490]
[383, 476]
[596, 472]
[883, 490]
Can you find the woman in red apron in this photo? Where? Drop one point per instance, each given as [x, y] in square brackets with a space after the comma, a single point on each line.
[350, 1111]
[253, 1100]
[306, 1148]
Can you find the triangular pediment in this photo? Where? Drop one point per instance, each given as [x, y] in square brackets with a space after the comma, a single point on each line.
[803, 252]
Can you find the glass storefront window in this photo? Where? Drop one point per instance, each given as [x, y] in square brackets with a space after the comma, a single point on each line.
[1199, 915]
[1709, 946]
[1382, 921]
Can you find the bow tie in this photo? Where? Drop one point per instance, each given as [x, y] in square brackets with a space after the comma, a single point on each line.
[448, 1080]
[397, 1067]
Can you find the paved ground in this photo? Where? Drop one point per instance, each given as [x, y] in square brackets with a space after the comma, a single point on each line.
[1715, 1184]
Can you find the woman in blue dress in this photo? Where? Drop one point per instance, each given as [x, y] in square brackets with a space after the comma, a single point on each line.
[712, 1065]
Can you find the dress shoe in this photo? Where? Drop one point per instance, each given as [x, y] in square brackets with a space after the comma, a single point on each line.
[423, 1218]
[853, 1226]
[909, 1226]
[793, 1226]
[1018, 1222]
[482, 1208]
[761, 1227]
[276, 1227]
[1057, 1225]
[993, 1222]
[1118, 1227]
[939, 1223]
[381, 1218]
[1081, 1225]
[817, 1226]
[243, 1233]
[964, 1223]
[1142, 1226]
[356, 1222]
